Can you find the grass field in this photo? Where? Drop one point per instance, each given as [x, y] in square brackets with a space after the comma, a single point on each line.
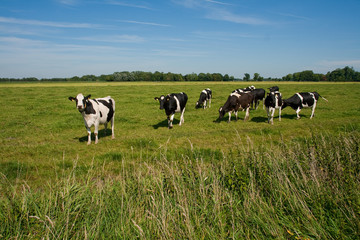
[296, 179]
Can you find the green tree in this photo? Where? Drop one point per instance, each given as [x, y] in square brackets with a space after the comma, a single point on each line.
[246, 77]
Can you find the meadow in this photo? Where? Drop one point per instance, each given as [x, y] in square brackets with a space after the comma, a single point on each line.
[296, 179]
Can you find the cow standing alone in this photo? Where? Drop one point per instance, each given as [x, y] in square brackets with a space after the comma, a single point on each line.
[173, 103]
[95, 112]
[235, 102]
[303, 100]
[205, 97]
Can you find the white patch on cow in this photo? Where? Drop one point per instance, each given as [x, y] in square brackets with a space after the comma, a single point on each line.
[177, 104]
[80, 97]
[162, 98]
[235, 94]
[204, 91]
[301, 98]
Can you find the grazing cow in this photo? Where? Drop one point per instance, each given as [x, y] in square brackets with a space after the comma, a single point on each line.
[274, 89]
[273, 101]
[173, 103]
[258, 93]
[235, 102]
[205, 96]
[302, 100]
[95, 112]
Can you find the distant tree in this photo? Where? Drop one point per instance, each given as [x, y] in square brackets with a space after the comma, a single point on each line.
[246, 77]
[256, 77]
[191, 77]
[217, 77]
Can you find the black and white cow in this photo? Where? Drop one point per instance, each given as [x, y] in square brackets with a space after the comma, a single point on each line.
[95, 112]
[274, 89]
[205, 97]
[302, 100]
[173, 103]
[234, 103]
[258, 93]
[273, 101]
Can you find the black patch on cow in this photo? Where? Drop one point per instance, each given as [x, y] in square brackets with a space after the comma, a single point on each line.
[109, 105]
[89, 108]
[100, 114]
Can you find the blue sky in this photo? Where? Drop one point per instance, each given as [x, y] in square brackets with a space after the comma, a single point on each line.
[66, 38]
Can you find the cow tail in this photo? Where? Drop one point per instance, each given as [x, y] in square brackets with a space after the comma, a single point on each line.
[323, 98]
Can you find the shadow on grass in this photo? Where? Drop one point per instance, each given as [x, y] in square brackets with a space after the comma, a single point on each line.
[165, 123]
[101, 134]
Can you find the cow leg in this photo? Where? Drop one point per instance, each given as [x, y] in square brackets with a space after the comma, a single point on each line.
[105, 128]
[182, 117]
[89, 135]
[297, 112]
[112, 127]
[279, 113]
[313, 110]
[170, 120]
[268, 113]
[96, 131]
[229, 117]
[247, 114]
[204, 106]
[272, 115]
[209, 102]
[236, 115]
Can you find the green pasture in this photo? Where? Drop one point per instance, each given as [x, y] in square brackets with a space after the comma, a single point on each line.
[44, 155]
[41, 127]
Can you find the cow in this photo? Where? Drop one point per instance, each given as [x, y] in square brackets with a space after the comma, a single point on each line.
[258, 93]
[173, 103]
[205, 97]
[273, 101]
[302, 100]
[274, 89]
[95, 111]
[234, 103]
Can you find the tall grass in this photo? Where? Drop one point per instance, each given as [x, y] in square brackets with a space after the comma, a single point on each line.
[297, 190]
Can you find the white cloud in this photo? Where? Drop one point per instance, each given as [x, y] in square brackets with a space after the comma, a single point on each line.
[126, 4]
[47, 23]
[218, 2]
[147, 23]
[225, 15]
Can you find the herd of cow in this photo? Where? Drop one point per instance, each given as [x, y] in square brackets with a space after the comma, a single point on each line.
[102, 110]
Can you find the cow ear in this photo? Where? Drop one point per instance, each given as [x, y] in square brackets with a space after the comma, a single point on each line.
[88, 96]
[167, 98]
[71, 99]
[156, 98]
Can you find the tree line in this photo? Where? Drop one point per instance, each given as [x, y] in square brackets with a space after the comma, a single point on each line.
[346, 74]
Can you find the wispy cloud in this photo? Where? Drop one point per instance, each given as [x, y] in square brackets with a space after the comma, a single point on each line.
[147, 23]
[47, 23]
[68, 2]
[225, 15]
[218, 2]
[127, 4]
[294, 16]
[114, 39]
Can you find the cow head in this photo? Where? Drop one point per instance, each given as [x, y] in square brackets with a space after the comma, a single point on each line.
[80, 101]
[163, 100]
[221, 114]
[198, 105]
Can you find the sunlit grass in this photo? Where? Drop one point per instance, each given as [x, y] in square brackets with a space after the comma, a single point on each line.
[294, 179]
